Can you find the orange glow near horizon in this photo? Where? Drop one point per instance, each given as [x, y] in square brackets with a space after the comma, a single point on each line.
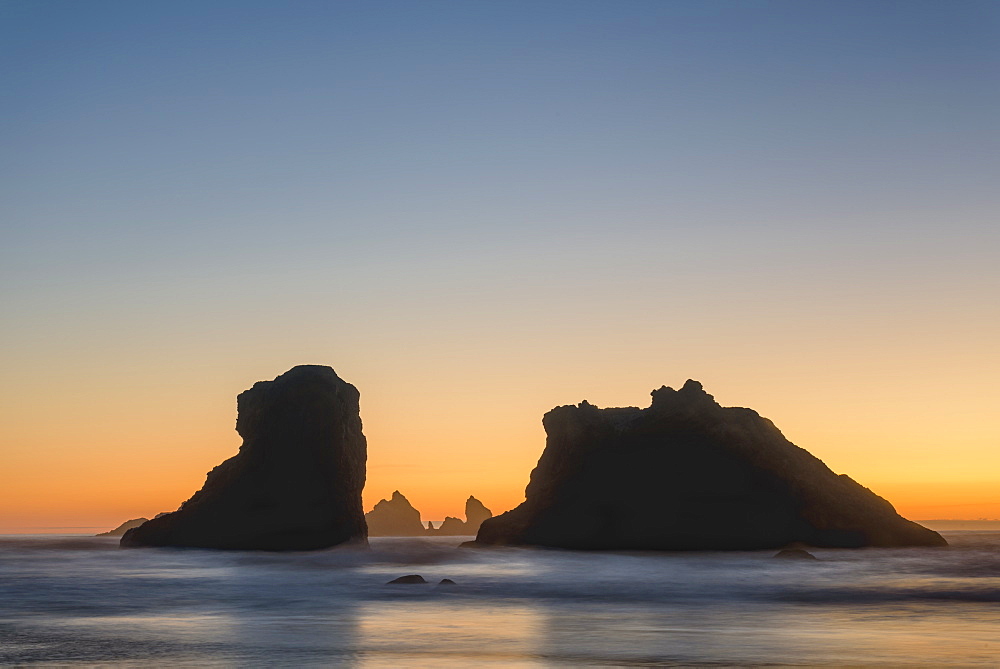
[114, 454]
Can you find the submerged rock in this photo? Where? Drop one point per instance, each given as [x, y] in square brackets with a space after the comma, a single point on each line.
[407, 580]
[688, 474]
[394, 517]
[123, 528]
[794, 554]
[295, 483]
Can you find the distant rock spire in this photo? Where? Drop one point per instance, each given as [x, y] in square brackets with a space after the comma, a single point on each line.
[394, 517]
[475, 514]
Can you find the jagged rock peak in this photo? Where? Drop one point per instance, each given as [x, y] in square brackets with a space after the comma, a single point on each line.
[692, 394]
[295, 483]
[475, 513]
[394, 517]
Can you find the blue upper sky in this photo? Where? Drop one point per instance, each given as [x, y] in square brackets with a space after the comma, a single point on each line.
[177, 157]
[164, 155]
[152, 128]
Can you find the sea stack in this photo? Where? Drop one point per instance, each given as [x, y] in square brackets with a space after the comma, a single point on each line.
[452, 526]
[295, 483]
[688, 474]
[394, 517]
[475, 513]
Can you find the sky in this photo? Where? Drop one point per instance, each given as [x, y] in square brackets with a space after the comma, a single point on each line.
[478, 211]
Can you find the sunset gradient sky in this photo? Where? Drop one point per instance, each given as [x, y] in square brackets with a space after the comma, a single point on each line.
[477, 211]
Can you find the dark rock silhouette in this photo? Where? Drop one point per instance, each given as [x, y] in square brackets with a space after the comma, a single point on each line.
[430, 526]
[688, 474]
[123, 528]
[794, 554]
[475, 514]
[407, 580]
[452, 527]
[394, 517]
[446, 581]
[295, 483]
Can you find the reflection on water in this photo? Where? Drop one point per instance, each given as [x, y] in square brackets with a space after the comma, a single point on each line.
[760, 635]
[445, 634]
[77, 601]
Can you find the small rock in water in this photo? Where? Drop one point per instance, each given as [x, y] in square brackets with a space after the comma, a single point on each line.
[795, 554]
[446, 581]
[412, 578]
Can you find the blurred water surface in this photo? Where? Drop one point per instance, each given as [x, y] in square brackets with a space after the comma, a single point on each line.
[72, 600]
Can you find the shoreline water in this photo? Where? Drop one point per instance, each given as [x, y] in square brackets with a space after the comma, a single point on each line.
[76, 601]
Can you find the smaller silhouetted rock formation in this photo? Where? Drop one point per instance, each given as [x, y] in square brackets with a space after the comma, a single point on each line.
[394, 517]
[446, 582]
[407, 580]
[794, 554]
[452, 527]
[124, 527]
[295, 483]
[688, 474]
[475, 514]
[430, 526]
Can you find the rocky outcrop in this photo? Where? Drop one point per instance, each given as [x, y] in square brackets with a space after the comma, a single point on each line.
[475, 514]
[295, 483]
[123, 528]
[452, 527]
[688, 474]
[394, 517]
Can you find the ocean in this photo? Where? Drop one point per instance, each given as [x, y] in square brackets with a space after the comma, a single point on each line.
[82, 601]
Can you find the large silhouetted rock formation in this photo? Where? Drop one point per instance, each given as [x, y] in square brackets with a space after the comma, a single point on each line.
[688, 474]
[295, 483]
[394, 517]
[123, 528]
